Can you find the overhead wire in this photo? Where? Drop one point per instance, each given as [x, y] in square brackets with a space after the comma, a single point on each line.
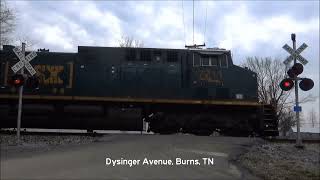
[193, 23]
[184, 27]
[205, 25]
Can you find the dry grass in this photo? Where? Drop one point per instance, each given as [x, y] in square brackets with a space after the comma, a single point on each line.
[277, 161]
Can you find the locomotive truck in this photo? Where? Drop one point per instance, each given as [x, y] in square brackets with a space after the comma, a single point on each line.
[195, 91]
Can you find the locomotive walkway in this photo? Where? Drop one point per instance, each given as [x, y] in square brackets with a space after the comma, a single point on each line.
[135, 157]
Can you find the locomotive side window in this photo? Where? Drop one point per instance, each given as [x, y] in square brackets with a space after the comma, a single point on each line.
[205, 61]
[172, 56]
[223, 61]
[214, 61]
[208, 61]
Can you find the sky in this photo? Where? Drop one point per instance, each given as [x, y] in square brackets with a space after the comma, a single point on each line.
[247, 28]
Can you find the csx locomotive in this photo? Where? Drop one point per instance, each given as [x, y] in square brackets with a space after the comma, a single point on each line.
[195, 91]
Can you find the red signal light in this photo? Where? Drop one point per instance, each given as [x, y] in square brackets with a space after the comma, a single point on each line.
[17, 80]
[286, 84]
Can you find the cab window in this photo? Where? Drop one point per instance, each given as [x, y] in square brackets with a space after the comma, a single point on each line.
[214, 61]
[205, 61]
[223, 61]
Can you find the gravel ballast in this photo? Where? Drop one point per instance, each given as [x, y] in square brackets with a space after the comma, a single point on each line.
[277, 161]
[39, 143]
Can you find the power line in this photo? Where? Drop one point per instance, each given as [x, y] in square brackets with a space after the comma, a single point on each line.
[193, 23]
[205, 24]
[193, 45]
[184, 27]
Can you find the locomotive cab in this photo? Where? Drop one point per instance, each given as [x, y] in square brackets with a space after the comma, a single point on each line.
[213, 76]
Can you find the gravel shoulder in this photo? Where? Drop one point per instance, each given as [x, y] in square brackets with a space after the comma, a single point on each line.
[35, 144]
[277, 161]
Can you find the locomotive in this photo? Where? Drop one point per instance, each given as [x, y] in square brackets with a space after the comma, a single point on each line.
[195, 91]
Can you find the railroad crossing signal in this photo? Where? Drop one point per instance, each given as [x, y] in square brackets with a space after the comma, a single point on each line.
[295, 54]
[18, 79]
[24, 61]
[305, 83]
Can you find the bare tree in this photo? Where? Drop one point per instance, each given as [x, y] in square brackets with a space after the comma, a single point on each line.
[127, 41]
[7, 23]
[270, 72]
[313, 117]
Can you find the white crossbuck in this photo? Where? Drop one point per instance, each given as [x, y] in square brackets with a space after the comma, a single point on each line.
[295, 54]
[24, 61]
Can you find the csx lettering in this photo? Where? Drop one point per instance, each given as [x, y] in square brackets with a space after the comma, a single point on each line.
[210, 76]
[53, 71]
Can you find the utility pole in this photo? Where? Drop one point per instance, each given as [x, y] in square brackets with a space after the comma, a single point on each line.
[20, 98]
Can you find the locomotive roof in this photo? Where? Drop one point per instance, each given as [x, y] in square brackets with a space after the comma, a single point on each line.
[221, 50]
[208, 51]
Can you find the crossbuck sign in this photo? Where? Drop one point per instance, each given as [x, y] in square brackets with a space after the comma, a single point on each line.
[295, 54]
[24, 61]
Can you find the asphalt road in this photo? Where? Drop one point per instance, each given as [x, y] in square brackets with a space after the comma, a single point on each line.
[97, 160]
